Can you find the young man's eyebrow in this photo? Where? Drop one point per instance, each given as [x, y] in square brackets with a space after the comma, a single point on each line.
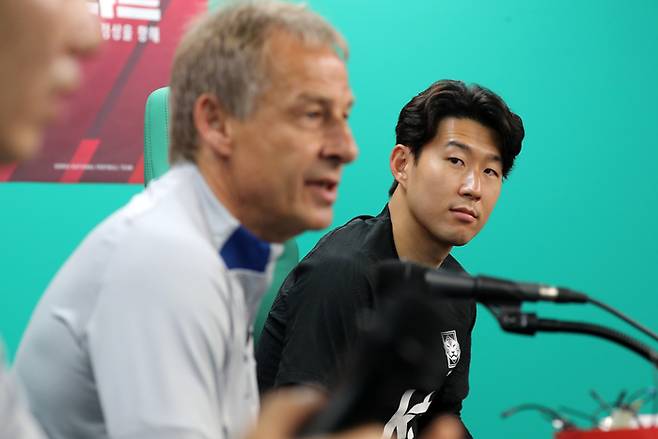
[468, 148]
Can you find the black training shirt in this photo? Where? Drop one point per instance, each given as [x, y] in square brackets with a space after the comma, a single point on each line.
[313, 322]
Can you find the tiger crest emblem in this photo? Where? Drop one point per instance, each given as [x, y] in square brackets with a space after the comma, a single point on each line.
[451, 345]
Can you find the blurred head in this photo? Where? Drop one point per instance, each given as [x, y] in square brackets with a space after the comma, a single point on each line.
[455, 145]
[260, 100]
[41, 45]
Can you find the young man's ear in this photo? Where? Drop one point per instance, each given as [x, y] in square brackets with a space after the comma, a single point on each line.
[212, 125]
[401, 159]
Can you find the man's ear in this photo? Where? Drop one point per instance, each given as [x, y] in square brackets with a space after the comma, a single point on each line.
[212, 125]
[401, 159]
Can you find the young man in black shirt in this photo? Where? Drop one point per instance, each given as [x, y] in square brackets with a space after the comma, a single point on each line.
[454, 146]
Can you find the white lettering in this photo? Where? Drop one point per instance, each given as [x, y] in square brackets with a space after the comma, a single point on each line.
[148, 10]
[400, 420]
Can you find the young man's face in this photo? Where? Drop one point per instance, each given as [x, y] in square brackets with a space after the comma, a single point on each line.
[290, 151]
[41, 43]
[454, 185]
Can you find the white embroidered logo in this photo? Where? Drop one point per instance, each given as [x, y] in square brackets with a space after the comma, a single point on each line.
[451, 345]
[398, 423]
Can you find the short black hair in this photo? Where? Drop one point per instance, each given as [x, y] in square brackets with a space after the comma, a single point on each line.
[420, 118]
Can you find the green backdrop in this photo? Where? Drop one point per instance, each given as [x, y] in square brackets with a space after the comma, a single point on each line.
[579, 209]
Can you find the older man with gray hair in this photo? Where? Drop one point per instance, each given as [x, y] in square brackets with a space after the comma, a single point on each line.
[145, 332]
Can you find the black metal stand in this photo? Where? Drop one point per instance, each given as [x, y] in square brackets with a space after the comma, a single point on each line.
[512, 319]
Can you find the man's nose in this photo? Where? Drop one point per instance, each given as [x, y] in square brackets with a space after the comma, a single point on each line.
[471, 186]
[340, 144]
[83, 29]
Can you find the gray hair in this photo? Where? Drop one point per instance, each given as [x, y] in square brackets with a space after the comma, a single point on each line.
[223, 54]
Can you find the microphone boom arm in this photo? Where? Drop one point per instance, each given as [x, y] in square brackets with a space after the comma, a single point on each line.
[511, 319]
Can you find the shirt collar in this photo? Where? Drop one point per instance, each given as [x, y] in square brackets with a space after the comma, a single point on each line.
[237, 246]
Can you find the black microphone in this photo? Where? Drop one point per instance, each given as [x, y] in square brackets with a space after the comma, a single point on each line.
[484, 289]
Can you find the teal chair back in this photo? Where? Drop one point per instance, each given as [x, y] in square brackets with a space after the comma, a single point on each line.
[156, 163]
[156, 134]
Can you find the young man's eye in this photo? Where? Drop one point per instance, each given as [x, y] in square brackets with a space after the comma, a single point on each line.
[455, 161]
[491, 172]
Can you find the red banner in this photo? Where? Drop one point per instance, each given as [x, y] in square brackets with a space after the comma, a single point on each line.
[101, 138]
[638, 433]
